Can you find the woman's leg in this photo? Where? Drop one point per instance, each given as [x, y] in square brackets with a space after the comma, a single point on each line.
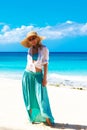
[29, 95]
[43, 100]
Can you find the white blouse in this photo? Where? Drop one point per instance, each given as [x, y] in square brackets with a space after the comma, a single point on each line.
[43, 57]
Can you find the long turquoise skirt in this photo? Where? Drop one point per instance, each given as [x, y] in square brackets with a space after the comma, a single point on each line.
[36, 97]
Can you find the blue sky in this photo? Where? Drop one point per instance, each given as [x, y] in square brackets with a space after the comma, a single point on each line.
[63, 22]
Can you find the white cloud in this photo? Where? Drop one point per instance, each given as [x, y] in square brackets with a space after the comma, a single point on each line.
[5, 28]
[69, 22]
[67, 29]
[84, 29]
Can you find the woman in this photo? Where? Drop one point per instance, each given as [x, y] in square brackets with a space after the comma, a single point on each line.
[35, 79]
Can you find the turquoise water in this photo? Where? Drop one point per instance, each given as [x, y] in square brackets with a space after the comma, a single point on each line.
[64, 68]
[60, 63]
[68, 63]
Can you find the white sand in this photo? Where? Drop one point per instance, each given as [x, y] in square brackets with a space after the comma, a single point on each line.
[69, 107]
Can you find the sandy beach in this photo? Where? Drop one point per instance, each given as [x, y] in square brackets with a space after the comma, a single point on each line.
[69, 107]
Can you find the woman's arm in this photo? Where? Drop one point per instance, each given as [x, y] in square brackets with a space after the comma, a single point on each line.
[44, 82]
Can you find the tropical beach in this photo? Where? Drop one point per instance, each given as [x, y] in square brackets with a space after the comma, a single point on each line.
[68, 105]
[67, 90]
[64, 27]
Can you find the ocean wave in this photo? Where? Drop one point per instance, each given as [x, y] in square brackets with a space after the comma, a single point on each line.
[67, 80]
[53, 79]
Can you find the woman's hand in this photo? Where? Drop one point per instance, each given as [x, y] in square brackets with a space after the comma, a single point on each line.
[44, 82]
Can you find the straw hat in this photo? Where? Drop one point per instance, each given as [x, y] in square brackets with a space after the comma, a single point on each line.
[26, 42]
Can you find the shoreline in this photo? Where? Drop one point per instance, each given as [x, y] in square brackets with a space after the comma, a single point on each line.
[54, 79]
[68, 106]
[71, 81]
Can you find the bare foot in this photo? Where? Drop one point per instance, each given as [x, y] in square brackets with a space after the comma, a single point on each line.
[48, 122]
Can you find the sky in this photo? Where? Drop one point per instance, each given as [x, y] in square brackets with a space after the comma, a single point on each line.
[62, 22]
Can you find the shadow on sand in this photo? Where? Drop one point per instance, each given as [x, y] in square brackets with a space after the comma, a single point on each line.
[70, 126]
[58, 126]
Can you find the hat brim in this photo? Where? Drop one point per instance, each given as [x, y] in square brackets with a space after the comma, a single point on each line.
[27, 44]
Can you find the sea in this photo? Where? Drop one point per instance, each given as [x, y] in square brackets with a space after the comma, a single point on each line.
[64, 68]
